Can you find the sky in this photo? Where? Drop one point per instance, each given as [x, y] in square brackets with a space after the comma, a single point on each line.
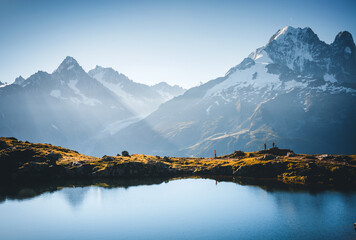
[179, 42]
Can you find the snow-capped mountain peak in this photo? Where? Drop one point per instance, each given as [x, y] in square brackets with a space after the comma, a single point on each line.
[167, 91]
[296, 90]
[280, 32]
[296, 48]
[293, 58]
[68, 64]
[295, 33]
[108, 74]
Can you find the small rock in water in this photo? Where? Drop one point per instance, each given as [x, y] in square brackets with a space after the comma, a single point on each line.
[355, 226]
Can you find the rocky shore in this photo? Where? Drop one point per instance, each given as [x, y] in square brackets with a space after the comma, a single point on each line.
[24, 162]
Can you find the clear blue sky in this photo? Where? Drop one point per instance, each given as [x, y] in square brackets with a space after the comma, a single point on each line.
[180, 42]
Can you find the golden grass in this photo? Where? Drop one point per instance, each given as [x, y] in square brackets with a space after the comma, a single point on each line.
[296, 166]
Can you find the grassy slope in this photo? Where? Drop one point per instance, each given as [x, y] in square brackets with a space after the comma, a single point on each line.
[23, 161]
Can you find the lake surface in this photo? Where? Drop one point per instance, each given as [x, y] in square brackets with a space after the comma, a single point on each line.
[180, 209]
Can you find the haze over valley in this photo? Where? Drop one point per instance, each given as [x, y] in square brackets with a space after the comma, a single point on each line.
[296, 90]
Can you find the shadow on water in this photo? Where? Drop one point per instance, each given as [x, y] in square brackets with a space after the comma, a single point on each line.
[30, 190]
[74, 190]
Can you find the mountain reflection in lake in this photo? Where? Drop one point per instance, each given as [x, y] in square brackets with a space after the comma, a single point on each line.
[180, 209]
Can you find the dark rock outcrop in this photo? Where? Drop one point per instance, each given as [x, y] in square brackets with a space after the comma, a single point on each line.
[276, 151]
[263, 170]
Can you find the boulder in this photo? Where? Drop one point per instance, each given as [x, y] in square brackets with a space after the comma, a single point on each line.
[290, 154]
[125, 154]
[76, 164]
[324, 157]
[108, 158]
[267, 157]
[238, 154]
[276, 151]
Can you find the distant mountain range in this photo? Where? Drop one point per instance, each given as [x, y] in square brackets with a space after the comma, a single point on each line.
[296, 91]
[70, 106]
[139, 98]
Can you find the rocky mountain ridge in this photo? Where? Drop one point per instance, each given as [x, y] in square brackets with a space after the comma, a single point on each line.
[296, 90]
[68, 107]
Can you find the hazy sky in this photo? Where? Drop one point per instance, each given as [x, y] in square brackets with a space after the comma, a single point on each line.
[180, 42]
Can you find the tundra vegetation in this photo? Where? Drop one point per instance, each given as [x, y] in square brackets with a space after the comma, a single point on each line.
[25, 162]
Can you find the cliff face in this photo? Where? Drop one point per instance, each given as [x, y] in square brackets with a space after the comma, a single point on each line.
[27, 162]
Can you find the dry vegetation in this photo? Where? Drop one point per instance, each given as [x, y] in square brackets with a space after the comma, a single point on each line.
[24, 161]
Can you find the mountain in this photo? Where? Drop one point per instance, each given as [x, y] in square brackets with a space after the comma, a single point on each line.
[72, 108]
[65, 107]
[139, 98]
[167, 91]
[19, 80]
[296, 91]
[3, 84]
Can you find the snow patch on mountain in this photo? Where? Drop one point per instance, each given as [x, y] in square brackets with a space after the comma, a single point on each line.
[261, 57]
[334, 89]
[67, 64]
[330, 78]
[300, 53]
[280, 32]
[83, 99]
[128, 99]
[3, 84]
[348, 50]
[98, 75]
[55, 93]
[247, 78]
[294, 84]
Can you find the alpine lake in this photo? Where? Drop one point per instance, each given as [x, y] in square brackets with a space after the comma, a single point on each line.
[189, 208]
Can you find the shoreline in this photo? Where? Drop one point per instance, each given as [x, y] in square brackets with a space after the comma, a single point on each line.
[32, 163]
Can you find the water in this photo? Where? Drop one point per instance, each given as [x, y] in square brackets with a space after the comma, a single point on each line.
[180, 209]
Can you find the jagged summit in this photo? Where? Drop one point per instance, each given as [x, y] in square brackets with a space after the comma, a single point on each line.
[19, 80]
[108, 74]
[344, 42]
[168, 91]
[344, 36]
[296, 90]
[300, 50]
[98, 67]
[69, 63]
[101, 68]
[104, 70]
[289, 31]
[162, 84]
